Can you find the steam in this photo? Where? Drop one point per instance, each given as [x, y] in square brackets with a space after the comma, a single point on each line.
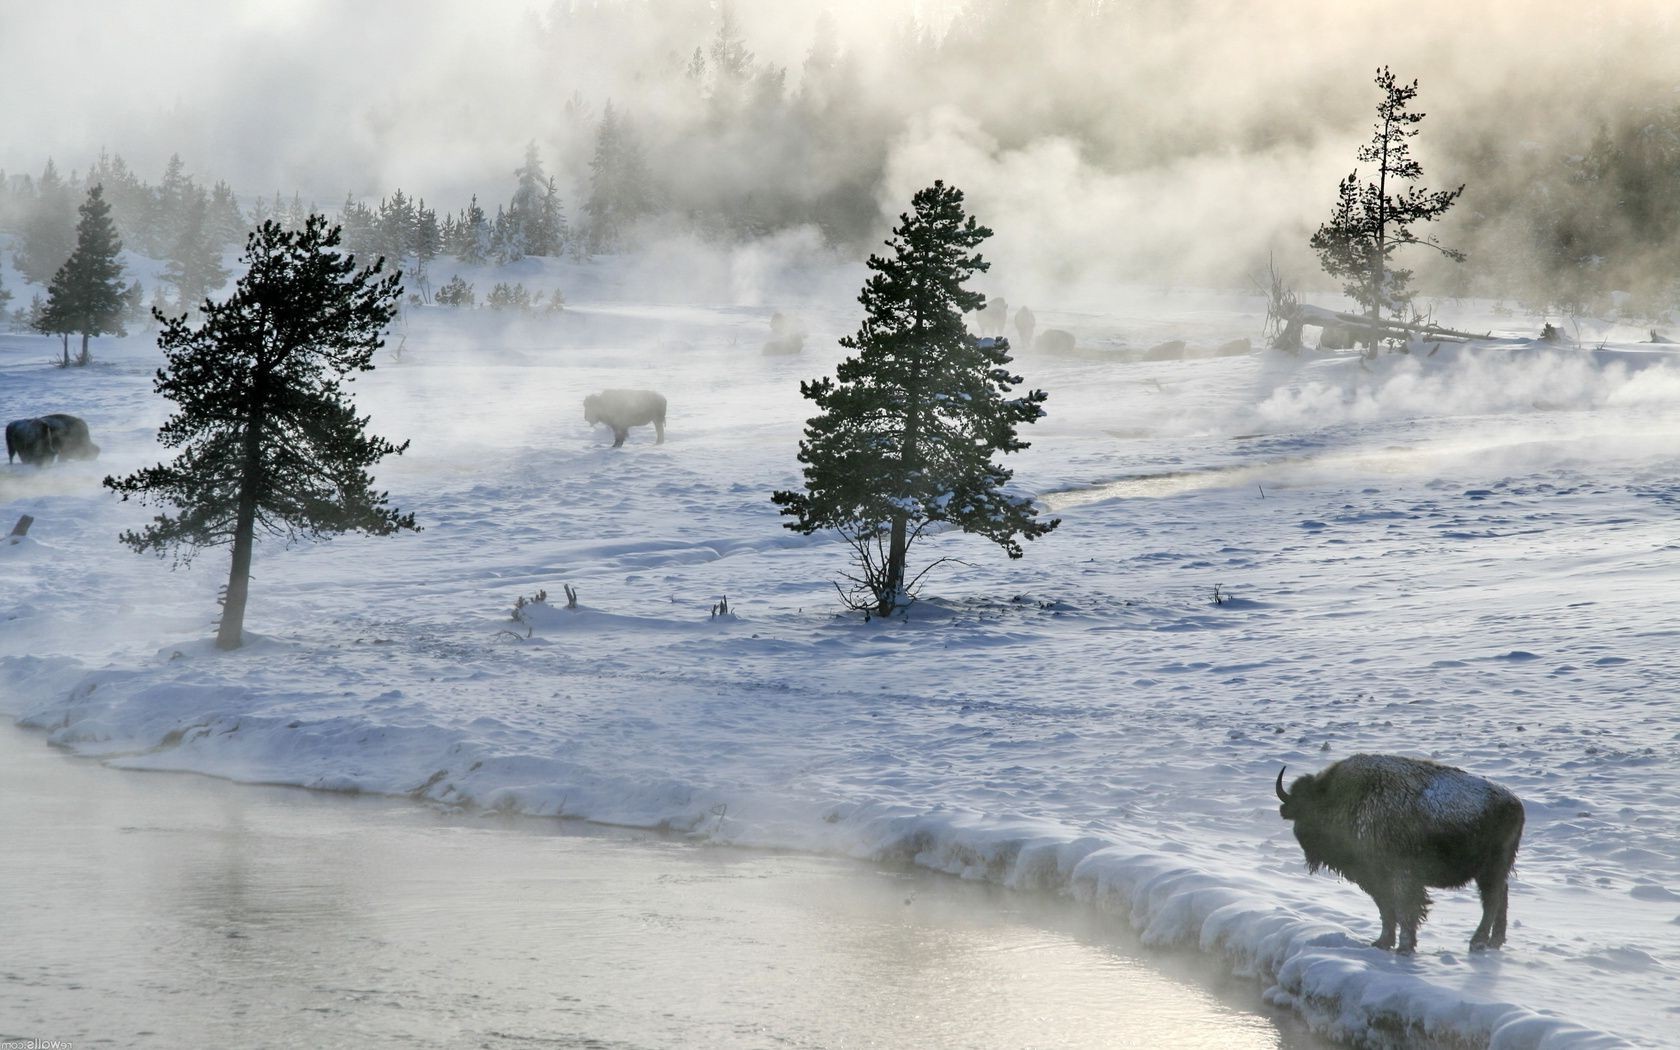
[1178, 141]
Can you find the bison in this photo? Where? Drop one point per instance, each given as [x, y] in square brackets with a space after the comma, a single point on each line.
[40, 440]
[1395, 826]
[623, 409]
[991, 316]
[1025, 324]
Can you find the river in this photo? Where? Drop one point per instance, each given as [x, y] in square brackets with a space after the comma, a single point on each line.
[166, 910]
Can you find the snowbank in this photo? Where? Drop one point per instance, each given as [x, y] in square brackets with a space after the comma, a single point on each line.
[1458, 557]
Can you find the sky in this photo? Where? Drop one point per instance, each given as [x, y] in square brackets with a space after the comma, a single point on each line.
[1182, 135]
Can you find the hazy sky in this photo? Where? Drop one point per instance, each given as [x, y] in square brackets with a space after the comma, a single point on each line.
[1208, 127]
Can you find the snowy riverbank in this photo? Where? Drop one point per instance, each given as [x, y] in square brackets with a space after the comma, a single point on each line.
[1470, 557]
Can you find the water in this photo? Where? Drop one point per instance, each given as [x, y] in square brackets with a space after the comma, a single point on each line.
[160, 910]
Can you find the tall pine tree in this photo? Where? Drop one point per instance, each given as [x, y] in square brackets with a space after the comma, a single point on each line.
[195, 261]
[1371, 221]
[49, 228]
[909, 425]
[86, 294]
[271, 438]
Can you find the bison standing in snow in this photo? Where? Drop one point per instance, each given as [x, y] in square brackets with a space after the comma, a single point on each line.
[623, 409]
[1395, 826]
[40, 440]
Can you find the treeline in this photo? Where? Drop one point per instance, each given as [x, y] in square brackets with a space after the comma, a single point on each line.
[661, 117]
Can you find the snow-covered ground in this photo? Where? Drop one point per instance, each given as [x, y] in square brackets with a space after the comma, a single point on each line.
[1470, 556]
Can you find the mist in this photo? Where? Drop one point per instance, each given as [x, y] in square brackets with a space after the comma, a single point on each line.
[1169, 142]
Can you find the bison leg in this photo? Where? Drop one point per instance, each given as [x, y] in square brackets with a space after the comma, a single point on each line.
[1491, 932]
[619, 434]
[1496, 899]
[1413, 901]
[659, 432]
[1382, 893]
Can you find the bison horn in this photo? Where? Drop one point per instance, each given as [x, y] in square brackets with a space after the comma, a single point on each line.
[1280, 792]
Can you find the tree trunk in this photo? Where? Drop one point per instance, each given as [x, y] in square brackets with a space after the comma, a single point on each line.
[893, 582]
[230, 634]
[83, 358]
[64, 338]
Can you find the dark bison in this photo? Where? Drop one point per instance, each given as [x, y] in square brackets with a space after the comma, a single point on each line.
[1395, 826]
[38, 441]
[623, 409]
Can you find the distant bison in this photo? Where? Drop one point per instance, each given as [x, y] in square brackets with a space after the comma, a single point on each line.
[40, 440]
[1395, 826]
[623, 409]
[1025, 324]
[787, 336]
[1054, 341]
[991, 317]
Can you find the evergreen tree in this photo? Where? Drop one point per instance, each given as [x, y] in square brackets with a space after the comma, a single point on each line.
[1369, 222]
[86, 294]
[554, 225]
[129, 198]
[195, 261]
[731, 63]
[169, 206]
[619, 191]
[5, 295]
[396, 229]
[270, 437]
[507, 244]
[358, 225]
[536, 227]
[49, 230]
[909, 425]
[227, 223]
[474, 246]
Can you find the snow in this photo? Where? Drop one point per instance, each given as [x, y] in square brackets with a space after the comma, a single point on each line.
[1466, 555]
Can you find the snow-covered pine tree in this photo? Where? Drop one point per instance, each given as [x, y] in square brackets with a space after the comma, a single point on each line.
[1371, 221]
[86, 294]
[475, 232]
[269, 436]
[909, 425]
[536, 228]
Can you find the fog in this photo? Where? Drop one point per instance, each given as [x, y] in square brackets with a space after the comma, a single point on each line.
[1167, 141]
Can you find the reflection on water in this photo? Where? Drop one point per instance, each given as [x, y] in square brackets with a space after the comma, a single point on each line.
[157, 910]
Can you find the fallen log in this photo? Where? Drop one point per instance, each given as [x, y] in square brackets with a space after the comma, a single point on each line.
[1302, 316]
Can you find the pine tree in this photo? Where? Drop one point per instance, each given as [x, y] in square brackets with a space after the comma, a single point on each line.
[270, 437]
[909, 425]
[536, 226]
[49, 229]
[195, 261]
[554, 219]
[619, 189]
[227, 223]
[169, 206]
[86, 294]
[474, 234]
[1371, 221]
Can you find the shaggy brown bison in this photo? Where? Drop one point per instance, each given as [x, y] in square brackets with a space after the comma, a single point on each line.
[1395, 826]
[40, 440]
[623, 409]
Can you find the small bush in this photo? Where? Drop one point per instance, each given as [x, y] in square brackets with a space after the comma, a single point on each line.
[456, 293]
[509, 297]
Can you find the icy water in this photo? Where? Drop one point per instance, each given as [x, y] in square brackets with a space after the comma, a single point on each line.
[161, 910]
